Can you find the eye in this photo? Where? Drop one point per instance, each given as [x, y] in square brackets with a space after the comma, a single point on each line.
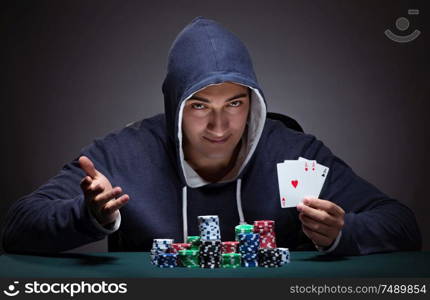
[198, 106]
[236, 103]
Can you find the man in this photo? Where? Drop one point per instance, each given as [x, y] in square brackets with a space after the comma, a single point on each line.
[213, 152]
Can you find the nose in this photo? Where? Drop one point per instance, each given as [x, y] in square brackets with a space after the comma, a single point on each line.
[218, 123]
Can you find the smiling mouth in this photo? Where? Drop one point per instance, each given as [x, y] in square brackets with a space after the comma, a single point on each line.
[217, 141]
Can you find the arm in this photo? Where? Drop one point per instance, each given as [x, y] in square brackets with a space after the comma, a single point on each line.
[57, 217]
[373, 222]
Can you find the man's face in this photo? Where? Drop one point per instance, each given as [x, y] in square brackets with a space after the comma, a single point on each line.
[214, 120]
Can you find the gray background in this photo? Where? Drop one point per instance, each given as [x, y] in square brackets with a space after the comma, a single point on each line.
[76, 70]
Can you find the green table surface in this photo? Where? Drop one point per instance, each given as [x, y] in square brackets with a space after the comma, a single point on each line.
[137, 265]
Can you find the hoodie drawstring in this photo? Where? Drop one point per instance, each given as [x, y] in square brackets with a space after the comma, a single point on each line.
[185, 213]
[239, 201]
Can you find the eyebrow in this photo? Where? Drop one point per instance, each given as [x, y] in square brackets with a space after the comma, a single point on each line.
[229, 99]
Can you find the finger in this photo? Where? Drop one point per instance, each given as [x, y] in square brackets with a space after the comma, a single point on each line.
[317, 238]
[318, 227]
[92, 189]
[87, 165]
[96, 186]
[325, 205]
[86, 183]
[317, 214]
[108, 195]
[96, 189]
[92, 192]
[116, 204]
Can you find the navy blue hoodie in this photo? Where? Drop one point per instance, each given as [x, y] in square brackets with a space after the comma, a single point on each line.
[166, 195]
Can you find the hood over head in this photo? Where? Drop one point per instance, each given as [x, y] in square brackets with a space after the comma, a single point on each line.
[205, 53]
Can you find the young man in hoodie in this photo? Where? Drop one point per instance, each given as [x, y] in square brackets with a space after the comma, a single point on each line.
[213, 152]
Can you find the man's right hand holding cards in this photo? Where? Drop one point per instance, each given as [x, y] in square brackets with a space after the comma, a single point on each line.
[300, 183]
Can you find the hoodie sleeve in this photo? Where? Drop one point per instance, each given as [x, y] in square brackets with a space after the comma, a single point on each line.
[55, 217]
[374, 222]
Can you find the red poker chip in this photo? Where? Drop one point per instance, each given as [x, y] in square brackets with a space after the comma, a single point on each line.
[229, 247]
[264, 226]
[179, 246]
[264, 223]
[234, 244]
[268, 240]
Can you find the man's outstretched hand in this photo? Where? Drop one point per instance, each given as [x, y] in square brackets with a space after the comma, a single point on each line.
[100, 197]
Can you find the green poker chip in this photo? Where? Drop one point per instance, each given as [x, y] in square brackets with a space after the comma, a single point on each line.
[189, 258]
[195, 242]
[243, 228]
[231, 260]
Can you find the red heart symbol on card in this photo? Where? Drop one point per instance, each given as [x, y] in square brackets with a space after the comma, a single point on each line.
[294, 183]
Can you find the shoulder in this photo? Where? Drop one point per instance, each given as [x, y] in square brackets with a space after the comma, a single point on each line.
[279, 136]
[144, 130]
[279, 143]
[143, 136]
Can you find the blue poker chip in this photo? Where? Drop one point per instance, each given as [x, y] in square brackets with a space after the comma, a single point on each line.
[249, 244]
[249, 256]
[248, 237]
[249, 264]
[167, 260]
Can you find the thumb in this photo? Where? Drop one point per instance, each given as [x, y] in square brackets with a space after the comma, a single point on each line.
[88, 166]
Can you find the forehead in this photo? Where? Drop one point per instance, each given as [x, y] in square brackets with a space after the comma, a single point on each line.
[222, 89]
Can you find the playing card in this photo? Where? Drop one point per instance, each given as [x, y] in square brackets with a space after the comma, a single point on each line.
[318, 175]
[292, 181]
[298, 179]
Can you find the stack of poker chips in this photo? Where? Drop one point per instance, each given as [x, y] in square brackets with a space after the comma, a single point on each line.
[269, 257]
[176, 247]
[229, 247]
[249, 243]
[231, 260]
[167, 260]
[189, 258]
[160, 246]
[266, 230]
[210, 236]
[285, 255]
[194, 240]
[254, 245]
[210, 254]
[243, 228]
[209, 228]
[229, 257]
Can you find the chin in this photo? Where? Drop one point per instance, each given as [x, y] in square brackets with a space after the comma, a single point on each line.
[217, 155]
